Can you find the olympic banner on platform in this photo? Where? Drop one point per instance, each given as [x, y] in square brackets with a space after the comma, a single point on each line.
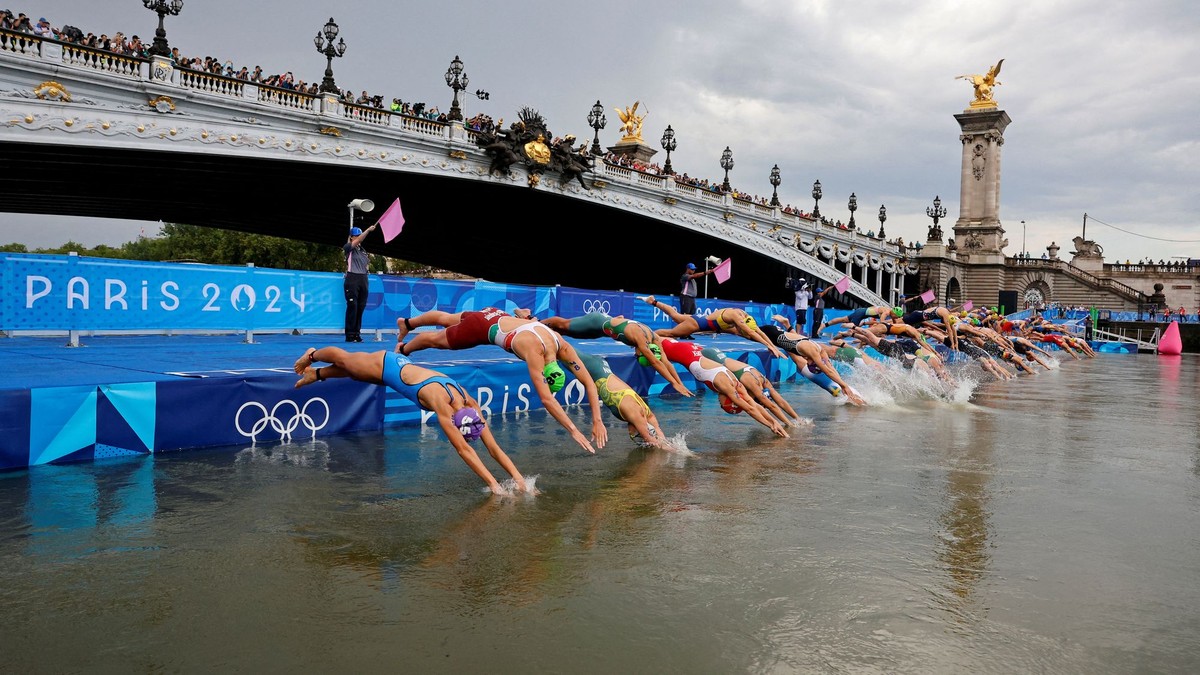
[231, 411]
[76, 293]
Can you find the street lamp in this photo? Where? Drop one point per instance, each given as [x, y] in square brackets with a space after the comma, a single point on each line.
[816, 193]
[597, 120]
[364, 205]
[727, 164]
[162, 8]
[709, 263]
[937, 212]
[882, 217]
[1022, 239]
[775, 181]
[324, 44]
[853, 206]
[668, 144]
[457, 80]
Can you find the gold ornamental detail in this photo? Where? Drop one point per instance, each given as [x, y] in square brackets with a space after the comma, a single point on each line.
[52, 91]
[537, 150]
[331, 131]
[162, 104]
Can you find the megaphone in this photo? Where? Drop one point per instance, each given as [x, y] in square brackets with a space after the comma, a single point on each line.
[364, 205]
[713, 259]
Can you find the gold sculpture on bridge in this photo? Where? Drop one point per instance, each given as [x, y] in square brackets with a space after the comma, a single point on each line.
[631, 123]
[984, 84]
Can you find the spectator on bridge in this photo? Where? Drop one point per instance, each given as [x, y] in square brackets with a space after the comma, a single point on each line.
[43, 29]
[22, 24]
[458, 414]
[687, 290]
[355, 282]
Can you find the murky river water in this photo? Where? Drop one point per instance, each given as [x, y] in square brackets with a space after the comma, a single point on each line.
[1049, 524]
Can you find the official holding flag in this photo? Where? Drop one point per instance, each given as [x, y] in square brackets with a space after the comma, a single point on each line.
[355, 284]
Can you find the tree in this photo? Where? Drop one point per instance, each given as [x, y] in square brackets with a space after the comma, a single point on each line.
[191, 243]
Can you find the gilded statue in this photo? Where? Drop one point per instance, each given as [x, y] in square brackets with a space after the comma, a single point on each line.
[983, 86]
[631, 122]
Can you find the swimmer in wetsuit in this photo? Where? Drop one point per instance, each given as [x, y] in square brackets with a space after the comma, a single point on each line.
[626, 331]
[537, 345]
[429, 389]
[730, 320]
[624, 403]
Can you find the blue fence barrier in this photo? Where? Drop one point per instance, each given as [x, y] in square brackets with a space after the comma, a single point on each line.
[69, 292]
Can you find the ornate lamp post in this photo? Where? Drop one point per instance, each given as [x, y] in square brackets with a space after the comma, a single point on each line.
[882, 217]
[816, 194]
[727, 164]
[937, 212]
[668, 144]
[775, 181]
[457, 80]
[597, 120]
[324, 44]
[163, 8]
[853, 206]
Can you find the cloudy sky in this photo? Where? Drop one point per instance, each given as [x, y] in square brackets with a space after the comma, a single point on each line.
[858, 94]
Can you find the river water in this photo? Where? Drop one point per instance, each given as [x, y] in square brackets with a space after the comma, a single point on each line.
[1047, 524]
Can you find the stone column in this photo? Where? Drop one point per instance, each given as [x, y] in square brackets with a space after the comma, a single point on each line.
[978, 234]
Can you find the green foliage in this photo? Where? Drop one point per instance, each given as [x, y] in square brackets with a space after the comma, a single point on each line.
[191, 243]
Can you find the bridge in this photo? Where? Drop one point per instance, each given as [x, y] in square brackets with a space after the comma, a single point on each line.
[95, 134]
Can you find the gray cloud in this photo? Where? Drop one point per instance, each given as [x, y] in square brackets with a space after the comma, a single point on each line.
[858, 94]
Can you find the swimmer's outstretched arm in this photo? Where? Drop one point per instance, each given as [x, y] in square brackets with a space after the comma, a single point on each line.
[570, 359]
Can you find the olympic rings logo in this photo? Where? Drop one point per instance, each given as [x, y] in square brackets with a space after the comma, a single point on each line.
[601, 306]
[273, 420]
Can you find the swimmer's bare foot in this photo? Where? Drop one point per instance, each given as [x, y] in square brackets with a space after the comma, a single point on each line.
[304, 361]
[402, 328]
[307, 377]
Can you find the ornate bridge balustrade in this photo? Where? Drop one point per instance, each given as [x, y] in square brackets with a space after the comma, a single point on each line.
[97, 99]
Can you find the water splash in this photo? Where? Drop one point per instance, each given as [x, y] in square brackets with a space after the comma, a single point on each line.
[509, 489]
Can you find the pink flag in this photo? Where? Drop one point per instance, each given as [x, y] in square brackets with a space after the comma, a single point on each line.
[928, 296]
[721, 272]
[392, 221]
[842, 285]
[968, 306]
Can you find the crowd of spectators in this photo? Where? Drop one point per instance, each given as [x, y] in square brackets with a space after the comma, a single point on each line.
[133, 46]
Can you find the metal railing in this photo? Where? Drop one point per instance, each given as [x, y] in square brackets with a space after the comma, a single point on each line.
[1150, 344]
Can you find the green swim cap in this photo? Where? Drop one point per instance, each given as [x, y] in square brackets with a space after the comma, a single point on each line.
[898, 311]
[654, 349]
[555, 377]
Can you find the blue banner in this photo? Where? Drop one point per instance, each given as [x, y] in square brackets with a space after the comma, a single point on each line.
[67, 292]
[76, 293]
[263, 409]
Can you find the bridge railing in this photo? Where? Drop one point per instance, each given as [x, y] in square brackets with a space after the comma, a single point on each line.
[287, 98]
[20, 43]
[212, 83]
[1084, 276]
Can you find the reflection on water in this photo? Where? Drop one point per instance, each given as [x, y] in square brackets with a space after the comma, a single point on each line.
[1041, 525]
